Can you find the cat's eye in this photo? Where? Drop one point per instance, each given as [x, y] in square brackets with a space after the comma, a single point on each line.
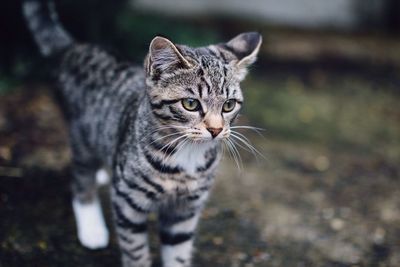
[229, 105]
[191, 104]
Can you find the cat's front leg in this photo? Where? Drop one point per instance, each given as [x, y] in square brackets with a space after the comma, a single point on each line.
[178, 225]
[131, 227]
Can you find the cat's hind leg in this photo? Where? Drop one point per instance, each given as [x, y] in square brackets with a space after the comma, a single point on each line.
[91, 227]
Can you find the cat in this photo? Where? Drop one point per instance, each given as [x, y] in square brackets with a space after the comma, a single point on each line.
[158, 129]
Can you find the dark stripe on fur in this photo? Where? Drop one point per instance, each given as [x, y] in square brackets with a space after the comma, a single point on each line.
[162, 103]
[129, 201]
[193, 197]
[124, 238]
[200, 72]
[207, 85]
[170, 220]
[166, 149]
[189, 90]
[207, 165]
[130, 256]
[134, 186]
[174, 239]
[162, 116]
[124, 222]
[177, 115]
[139, 247]
[222, 55]
[157, 165]
[200, 89]
[238, 54]
[180, 260]
[156, 186]
[212, 52]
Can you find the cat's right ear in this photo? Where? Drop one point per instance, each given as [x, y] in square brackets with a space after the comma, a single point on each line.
[164, 56]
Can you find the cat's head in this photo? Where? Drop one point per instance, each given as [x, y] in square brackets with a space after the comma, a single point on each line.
[197, 90]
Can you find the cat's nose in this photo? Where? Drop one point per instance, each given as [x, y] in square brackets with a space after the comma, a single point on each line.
[214, 131]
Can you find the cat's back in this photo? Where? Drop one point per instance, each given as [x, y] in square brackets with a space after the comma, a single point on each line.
[91, 68]
[97, 89]
[92, 78]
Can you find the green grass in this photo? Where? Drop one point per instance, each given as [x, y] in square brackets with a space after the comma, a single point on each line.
[344, 113]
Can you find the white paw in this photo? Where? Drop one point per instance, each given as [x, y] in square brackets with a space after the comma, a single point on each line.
[94, 238]
[92, 230]
[102, 177]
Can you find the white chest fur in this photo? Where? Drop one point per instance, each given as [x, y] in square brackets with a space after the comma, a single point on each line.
[191, 156]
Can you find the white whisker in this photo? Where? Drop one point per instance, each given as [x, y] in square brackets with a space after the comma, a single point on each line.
[163, 137]
[255, 129]
[235, 154]
[157, 129]
[177, 149]
[247, 143]
[243, 147]
[226, 145]
[184, 137]
[168, 145]
[247, 127]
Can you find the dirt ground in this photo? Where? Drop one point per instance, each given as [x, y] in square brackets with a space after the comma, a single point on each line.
[304, 205]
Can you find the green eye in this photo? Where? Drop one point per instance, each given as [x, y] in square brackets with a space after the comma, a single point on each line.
[191, 104]
[229, 105]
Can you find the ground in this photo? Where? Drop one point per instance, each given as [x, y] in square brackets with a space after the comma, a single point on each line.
[327, 192]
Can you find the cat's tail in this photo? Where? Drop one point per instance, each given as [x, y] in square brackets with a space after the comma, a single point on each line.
[47, 31]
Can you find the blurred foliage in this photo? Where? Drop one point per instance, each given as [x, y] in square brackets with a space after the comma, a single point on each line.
[7, 84]
[112, 24]
[115, 24]
[138, 29]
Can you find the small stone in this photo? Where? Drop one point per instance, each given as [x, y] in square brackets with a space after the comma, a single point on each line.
[42, 245]
[337, 224]
[389, 213]
[379, 235]
[218, 240]
[261, 257]
[321, 163]
[241, 256]
[5, 153]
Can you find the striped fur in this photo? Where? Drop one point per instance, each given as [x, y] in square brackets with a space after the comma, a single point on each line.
[132, 120]
[43, 22]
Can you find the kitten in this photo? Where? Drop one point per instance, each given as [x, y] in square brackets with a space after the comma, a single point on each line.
[158, 129]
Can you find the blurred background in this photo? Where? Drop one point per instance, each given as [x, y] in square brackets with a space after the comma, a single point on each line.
[325, 89]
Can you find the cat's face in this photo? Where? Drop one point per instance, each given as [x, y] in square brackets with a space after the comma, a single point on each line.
[197, 90]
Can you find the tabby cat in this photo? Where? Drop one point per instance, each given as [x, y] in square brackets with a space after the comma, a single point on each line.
[158, 129]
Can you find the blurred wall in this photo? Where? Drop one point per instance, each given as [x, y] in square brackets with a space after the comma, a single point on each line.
[338, 14]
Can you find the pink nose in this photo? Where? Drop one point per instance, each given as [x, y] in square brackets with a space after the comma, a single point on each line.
[214, 131]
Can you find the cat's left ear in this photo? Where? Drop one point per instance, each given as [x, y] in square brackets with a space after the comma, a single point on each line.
[245, 47]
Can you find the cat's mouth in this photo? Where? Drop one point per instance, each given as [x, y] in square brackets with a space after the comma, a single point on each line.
[205, 140]
[206, 136]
